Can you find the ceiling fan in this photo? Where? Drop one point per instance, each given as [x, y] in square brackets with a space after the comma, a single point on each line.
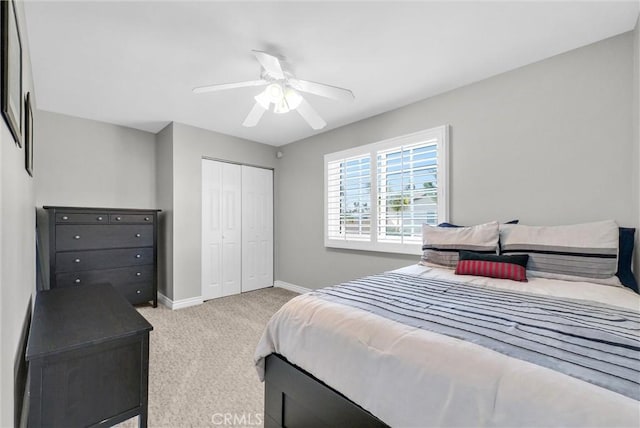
[283, 91]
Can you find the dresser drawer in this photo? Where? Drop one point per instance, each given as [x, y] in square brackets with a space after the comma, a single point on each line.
[139, 292]
[116, 277]
[76, 261]
[90, 237]
[82, 218]
[130, 218]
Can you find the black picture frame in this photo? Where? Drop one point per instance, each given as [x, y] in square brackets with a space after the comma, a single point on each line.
[11, 69]
[28, 135]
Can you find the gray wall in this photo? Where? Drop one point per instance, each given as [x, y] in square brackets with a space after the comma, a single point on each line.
[17, 243]
[164, 199]
[636, 136]
[549, 143]
[83, 162]
[190, 145]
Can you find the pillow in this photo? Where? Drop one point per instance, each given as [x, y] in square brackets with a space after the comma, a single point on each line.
[455, 225]
[581, 252]
[625, 255]
[441, 244]
[492, 266]
[445, 224]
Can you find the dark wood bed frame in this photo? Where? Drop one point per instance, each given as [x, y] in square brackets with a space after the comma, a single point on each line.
[294, 398]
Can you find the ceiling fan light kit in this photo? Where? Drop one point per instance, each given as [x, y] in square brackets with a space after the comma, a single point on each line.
[283, 99]
[283, 91]
[281, 107]
[293, 98]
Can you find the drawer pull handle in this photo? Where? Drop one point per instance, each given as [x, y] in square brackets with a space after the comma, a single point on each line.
[138, 256]
[64, 217]
[138, 273]
[138, 235]
[147, 219]
[138, 291]
[77, 281]
[76, 261]
[99, 218]
[76, 237]
[118, 218]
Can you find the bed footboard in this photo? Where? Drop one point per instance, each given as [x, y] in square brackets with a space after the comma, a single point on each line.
[294, 398]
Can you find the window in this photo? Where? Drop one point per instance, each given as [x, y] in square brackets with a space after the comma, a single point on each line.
[377, 196]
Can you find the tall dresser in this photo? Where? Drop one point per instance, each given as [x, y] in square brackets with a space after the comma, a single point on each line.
[89, 246]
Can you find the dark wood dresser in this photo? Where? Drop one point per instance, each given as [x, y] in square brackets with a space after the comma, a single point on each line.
[97, 245]
[88, 354]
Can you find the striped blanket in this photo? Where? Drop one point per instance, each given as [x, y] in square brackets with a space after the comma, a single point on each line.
[594, 342]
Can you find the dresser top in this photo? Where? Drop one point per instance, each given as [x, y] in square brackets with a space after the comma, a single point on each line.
[91, 209]
[70, 318]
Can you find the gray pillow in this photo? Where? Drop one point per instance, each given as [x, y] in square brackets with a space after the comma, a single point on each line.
[580, 252]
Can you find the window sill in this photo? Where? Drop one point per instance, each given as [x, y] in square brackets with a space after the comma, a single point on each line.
[379, 247]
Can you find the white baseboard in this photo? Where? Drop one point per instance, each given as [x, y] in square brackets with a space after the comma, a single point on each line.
[165, 300]
[194, 301]
[179, 304]
[291, 287]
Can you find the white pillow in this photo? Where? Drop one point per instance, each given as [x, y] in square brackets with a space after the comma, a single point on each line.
[440, 245]
[579, 252]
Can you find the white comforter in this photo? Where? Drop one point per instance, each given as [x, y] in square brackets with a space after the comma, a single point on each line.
[409, 377]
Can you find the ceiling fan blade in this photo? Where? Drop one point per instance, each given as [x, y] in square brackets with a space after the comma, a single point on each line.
[224, 86]
[270, 63]
[309, 114]
[254, 116]
[322, 90]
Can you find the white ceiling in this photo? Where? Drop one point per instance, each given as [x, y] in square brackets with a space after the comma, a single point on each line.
[135, 63]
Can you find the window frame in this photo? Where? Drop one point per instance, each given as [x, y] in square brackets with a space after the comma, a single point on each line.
[441, 133]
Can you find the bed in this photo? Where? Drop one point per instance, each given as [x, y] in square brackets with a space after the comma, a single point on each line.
[331, 358]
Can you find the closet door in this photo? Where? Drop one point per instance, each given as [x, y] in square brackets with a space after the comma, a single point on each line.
[221, 229]
[257, 228]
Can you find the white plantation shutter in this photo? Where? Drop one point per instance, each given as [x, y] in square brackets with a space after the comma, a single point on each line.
[349, 198]
[378, 196]
[407, 191]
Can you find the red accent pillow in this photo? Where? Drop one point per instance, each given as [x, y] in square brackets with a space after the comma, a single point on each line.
[492, 269]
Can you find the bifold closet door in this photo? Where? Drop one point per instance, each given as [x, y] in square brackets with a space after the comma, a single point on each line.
[221, 229]
[257, 228]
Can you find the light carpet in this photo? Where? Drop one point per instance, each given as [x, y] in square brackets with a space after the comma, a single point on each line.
[201, 361]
